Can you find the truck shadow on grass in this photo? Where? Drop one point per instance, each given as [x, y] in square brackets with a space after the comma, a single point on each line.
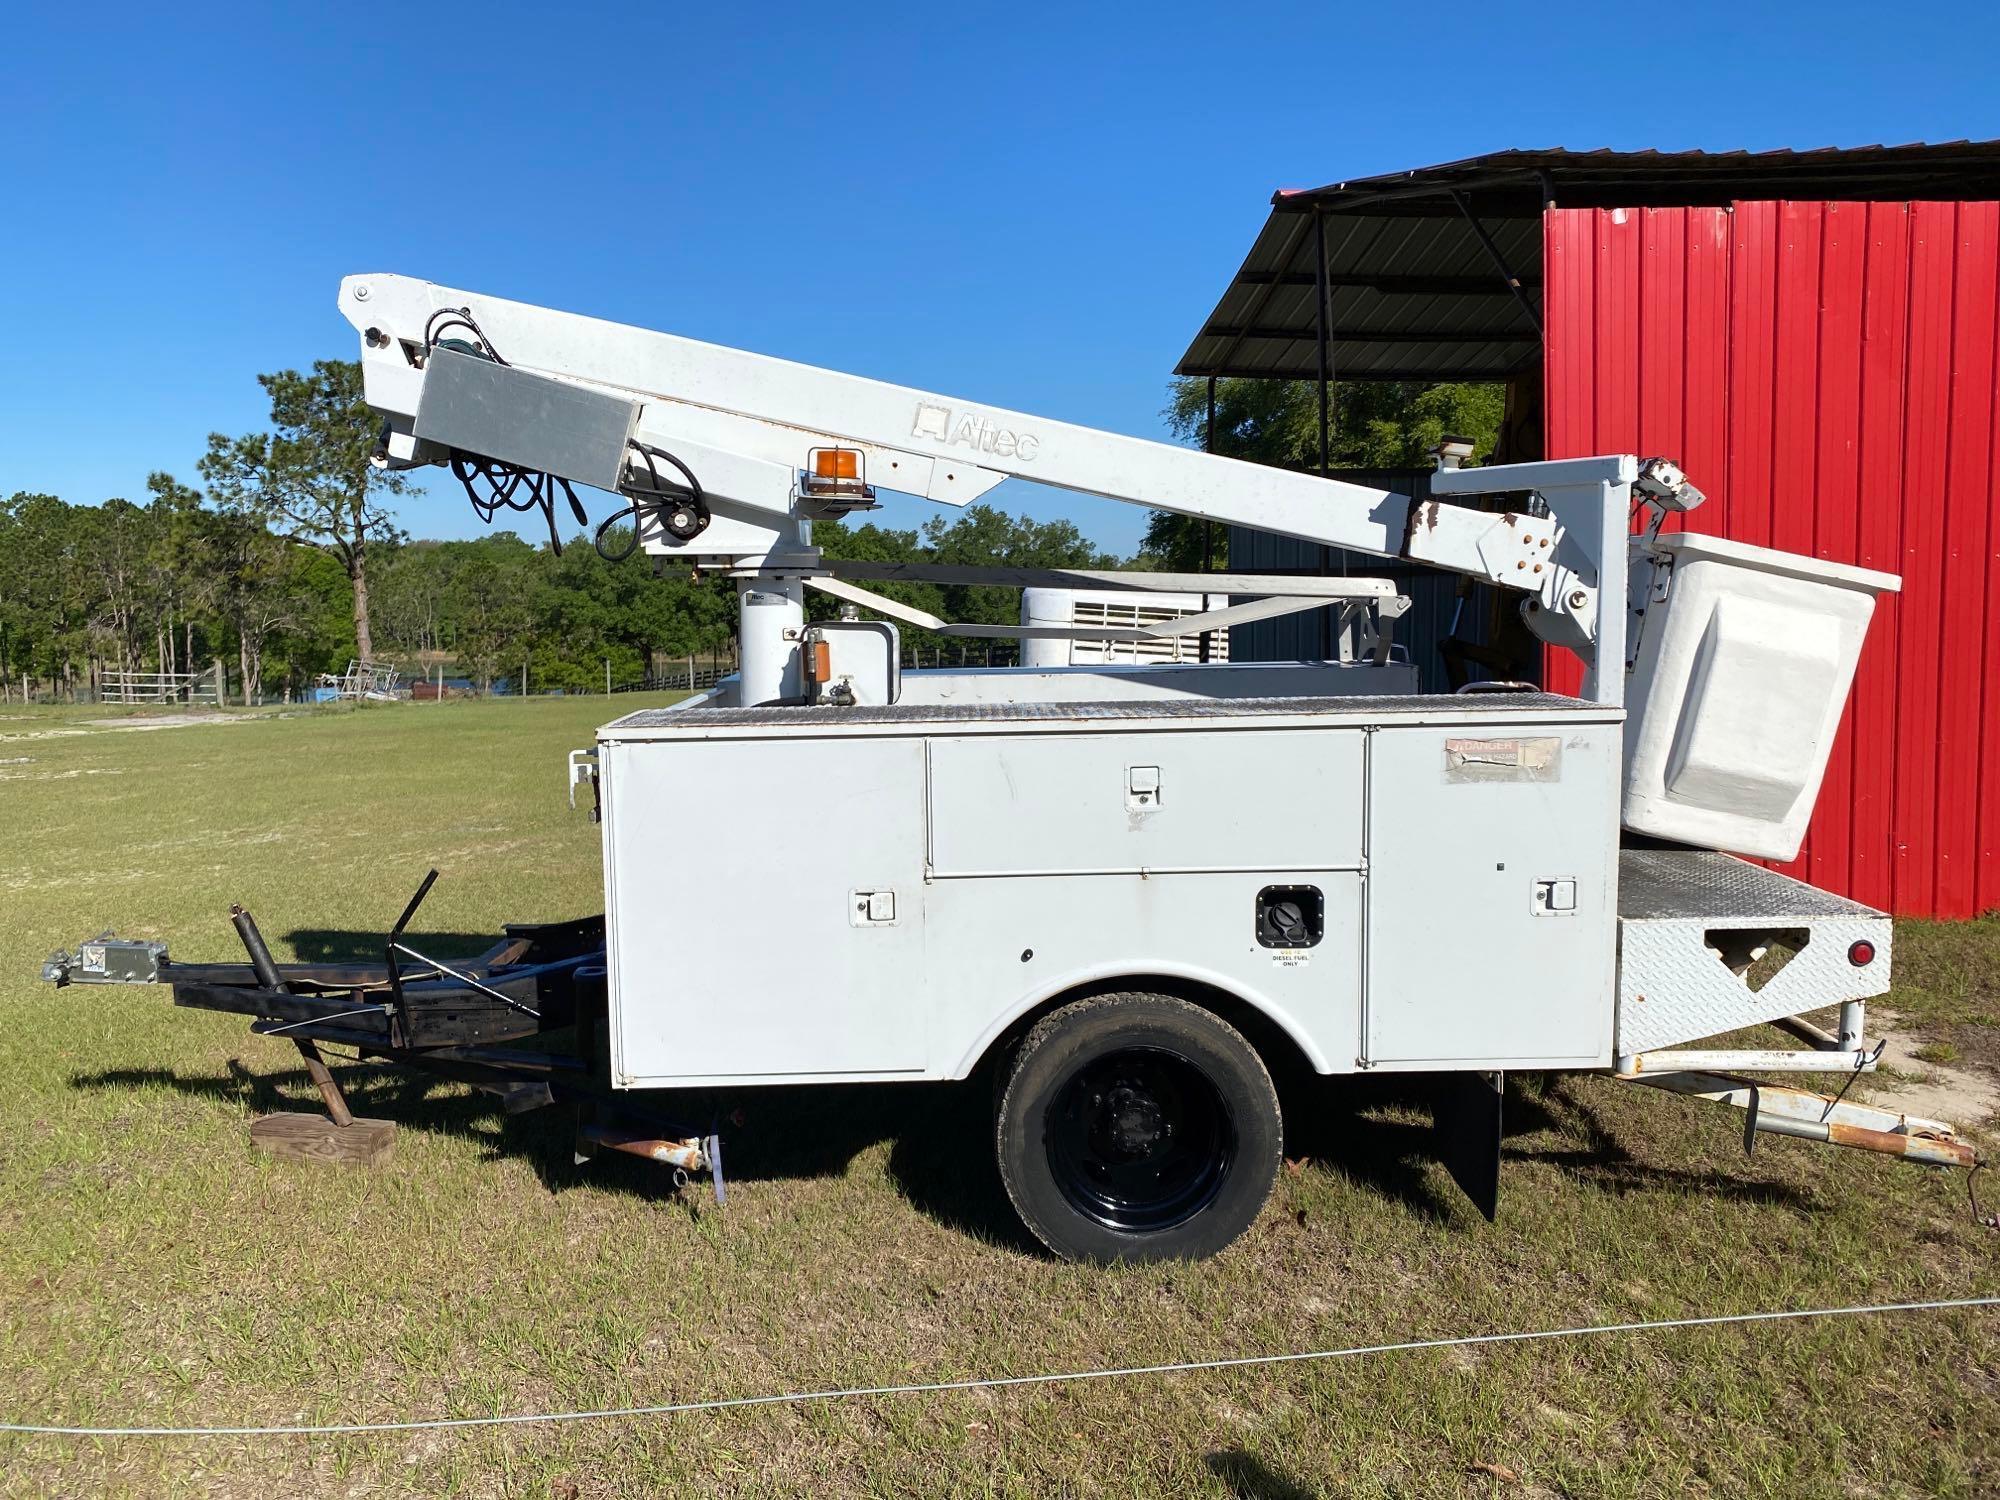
[1378, 1131]
[1248, 1477]
[1581, 1144]
[373, 1090]
[1375, 1132]
[940, 1154]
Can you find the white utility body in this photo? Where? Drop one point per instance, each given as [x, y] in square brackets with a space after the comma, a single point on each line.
[1119, 883]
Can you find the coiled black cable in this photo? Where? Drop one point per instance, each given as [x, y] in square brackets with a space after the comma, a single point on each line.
[509, 488]
[492, 486]
[459, 317]
[680, 510]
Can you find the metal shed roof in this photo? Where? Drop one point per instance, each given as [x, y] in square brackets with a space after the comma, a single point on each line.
[1414, 285]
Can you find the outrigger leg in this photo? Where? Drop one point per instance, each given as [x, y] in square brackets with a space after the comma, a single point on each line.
[268, 976]
[1778, 1109]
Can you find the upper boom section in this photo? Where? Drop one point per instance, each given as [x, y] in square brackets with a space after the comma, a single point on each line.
[772, 411]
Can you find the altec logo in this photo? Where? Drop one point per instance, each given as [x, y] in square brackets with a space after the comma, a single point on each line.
[968, 429]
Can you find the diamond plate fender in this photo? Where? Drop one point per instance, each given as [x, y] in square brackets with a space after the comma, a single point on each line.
[1679, 907]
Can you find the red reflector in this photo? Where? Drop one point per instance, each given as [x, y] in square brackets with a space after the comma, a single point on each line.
[1861, 953]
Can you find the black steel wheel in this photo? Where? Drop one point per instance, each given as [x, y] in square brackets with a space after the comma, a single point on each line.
[1139, 1139]
[1137, 1127]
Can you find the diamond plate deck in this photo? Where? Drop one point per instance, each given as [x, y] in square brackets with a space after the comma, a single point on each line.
[1368, 708]
[1674, 884]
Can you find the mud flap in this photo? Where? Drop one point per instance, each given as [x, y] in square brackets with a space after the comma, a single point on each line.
[1468, 1131]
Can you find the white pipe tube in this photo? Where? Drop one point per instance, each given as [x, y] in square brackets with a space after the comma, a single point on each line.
[1745, 1059]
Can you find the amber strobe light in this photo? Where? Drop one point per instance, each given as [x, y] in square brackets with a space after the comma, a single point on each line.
[835, 473]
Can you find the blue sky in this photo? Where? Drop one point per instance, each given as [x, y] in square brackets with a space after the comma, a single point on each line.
[1030, 207]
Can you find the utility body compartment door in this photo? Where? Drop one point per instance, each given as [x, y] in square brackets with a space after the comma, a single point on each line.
[1187, 801]
[1492, 895]
[766, 903]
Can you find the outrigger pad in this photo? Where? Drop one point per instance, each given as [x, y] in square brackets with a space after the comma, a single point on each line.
[303, 1137]
[1468, 1131]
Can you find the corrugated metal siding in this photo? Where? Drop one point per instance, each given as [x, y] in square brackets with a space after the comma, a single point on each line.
[1304, 636]
[1829, 373]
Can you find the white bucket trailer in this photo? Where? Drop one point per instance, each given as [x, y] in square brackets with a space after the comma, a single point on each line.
[1133, 893]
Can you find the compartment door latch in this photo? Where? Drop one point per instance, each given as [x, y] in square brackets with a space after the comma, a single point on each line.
[1142, 788]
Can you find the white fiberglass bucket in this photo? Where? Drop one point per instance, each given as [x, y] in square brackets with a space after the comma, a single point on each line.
[1737, 684]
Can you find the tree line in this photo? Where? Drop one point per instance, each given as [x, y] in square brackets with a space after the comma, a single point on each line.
[284, 561]
[178, 584]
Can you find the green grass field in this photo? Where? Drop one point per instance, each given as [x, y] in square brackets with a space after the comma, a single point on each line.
[155, 1270]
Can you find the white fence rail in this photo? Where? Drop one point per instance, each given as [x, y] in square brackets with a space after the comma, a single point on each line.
[690, 678]
[161, 687]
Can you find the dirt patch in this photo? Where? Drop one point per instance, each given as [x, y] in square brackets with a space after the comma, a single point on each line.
[1957, 1096]
[70, 775]
[169, 721]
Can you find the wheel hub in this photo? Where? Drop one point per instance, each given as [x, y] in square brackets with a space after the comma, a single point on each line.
[1135, 1123]
[1139, 1139]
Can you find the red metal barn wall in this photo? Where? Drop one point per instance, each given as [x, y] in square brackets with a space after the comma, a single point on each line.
[1827, 373]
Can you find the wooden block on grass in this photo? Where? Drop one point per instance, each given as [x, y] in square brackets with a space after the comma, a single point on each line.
[365, 1143]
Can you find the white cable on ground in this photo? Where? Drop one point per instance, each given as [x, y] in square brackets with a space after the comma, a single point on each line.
[1188, 1367]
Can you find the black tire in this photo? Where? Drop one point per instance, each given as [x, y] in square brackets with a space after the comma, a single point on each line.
[1136, 1127]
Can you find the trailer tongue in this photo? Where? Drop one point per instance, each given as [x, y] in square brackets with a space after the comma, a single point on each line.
[1132, 894]
[518, 1022]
